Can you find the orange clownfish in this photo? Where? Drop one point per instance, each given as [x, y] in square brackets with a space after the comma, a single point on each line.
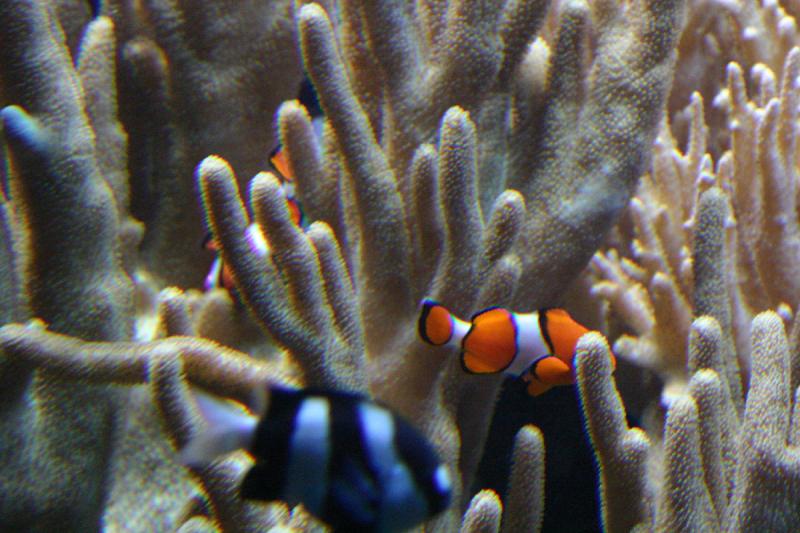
[281, 166]
[538, 347]
[220, 275]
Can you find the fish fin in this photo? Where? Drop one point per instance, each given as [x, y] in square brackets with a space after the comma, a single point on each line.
[355, 496]
[435, 324]
[536, 387]
[553, 371]
[228, 426]
[562, 331]
[486, 311]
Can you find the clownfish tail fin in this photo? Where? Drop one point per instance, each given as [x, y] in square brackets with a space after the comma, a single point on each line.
[435, 324]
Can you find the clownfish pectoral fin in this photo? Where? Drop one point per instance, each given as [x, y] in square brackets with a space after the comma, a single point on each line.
[552, 371]
[228, 427]
[435, 324]
[537, 388]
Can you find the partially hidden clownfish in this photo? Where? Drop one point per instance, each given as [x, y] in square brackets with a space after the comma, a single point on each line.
[351, 462]
[220, 274]
[281, 166]
[538, 347]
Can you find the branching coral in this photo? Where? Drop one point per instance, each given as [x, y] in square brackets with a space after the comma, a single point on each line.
[196, 78]
[660, 287]
[718, 473]
[408, 187]
[726, 251]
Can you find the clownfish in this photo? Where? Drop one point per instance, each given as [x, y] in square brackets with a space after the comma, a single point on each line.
[352, 463]
[537, 347]
[280, 165]
[219, 275]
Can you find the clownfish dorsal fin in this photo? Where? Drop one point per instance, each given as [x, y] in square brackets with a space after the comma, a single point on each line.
[490, 345]
[561, 332]
[435, 325]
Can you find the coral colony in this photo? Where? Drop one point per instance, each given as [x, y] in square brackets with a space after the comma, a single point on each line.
[631, 162]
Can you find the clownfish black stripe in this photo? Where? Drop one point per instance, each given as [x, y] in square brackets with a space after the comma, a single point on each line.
[544, 330]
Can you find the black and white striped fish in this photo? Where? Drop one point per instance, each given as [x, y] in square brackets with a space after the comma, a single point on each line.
[352, 463]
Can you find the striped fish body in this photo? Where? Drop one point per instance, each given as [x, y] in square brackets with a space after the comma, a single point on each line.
[352, 463]
[538, 347]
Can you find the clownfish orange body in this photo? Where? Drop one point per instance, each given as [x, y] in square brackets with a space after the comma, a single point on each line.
[538, 347]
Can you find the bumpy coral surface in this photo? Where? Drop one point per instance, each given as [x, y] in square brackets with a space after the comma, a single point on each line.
[475, 152]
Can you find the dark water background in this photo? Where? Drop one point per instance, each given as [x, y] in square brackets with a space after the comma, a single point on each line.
[571, 480]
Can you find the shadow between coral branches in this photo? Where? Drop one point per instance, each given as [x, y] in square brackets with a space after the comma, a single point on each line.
[571, 481]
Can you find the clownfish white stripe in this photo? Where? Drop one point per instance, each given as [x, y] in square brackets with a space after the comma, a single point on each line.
[460, 330]
[530, 343]
[309, 453]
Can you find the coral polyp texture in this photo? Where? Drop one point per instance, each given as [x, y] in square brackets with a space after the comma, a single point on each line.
[477, 153]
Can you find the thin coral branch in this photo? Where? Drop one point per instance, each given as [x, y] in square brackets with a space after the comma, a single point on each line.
[209, 365]
[483, 514]
[685, 503]
[620, 451]
[524, 509]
